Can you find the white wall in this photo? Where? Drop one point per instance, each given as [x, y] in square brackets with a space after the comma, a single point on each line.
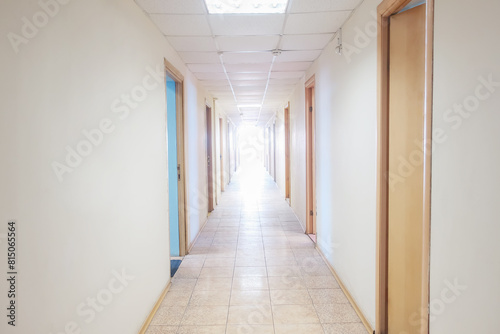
[346, 150]
[110, 213]
[465, 178]
[280, 151]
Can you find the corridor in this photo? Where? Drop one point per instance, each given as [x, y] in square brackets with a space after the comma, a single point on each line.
[253, 270]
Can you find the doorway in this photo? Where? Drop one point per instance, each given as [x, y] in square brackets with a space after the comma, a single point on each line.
[175, 146]
[287, 154]
[210, 180]
[310, 159]
[405, 111]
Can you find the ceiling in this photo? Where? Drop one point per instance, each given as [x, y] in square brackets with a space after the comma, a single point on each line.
[232, 54]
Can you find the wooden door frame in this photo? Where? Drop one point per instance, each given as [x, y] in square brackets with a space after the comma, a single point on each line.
[221, 135]
[310, 156]
[178, 78]
[209, 154]
[288, 192]
[384, 11]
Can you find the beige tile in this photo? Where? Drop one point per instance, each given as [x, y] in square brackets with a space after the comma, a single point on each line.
[250, 329]
[202, 329]
[294, 314]
[286, 283]
[168, 316]
[328, 296]
[281, 261]
[216, 272]
[347, 328]
[289, 271]
[176, 298]
[210, 297]
[205, 315]
[258, 315]
[250, 261]
[214, 283]
[219, 262]
[250, 283]
[192, 263]
[162, 330]
[188, 272]
[335, 313]
[250, 297]
[299, 329]
[250, 271]
[321, 282]
[183, 284]
[321, 270]
[290, 297]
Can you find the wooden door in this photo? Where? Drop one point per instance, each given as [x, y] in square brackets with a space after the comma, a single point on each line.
[209, 160]
[310, 158]
[405, 215]
[287, 153]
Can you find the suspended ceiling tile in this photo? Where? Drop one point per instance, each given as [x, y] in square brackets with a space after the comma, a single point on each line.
[307, 6]
[280, 88]
[211, 68]
[237, 83]
[283, 81]
[186, 43]
[210, 76]
[182, 25]
[256, 24]
[200, 57]
[291, 66]
[248, 76]
[288, 75]
[248, 68]
[247, 43]
[172, 6]
[247, 57]
[215, 82]
[315, 23]
[308, 55]
[305, 42]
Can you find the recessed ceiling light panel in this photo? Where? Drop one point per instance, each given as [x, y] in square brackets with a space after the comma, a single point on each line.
[246, 6]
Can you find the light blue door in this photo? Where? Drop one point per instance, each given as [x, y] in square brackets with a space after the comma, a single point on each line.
[173, 195]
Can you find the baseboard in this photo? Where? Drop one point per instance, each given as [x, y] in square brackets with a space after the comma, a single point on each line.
[347, 293]
[150, 317]
[197, 235]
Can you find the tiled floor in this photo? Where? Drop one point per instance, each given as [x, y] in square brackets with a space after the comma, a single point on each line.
[254, 271]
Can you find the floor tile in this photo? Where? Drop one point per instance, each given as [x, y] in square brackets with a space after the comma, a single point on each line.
[290, 297]
[210, 297]
[205, 315]
[250, 271]
[168, 316]
[347, 328]
[250, 297]
[250, 283]
[328, 296]
[255, 314]
[250, 329]
[202, 329]
[294, 314]
[299, 329]
[335, 313]
[162, 330]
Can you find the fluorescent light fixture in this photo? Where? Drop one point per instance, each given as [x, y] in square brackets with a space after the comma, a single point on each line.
[249, 105]
[246, 6]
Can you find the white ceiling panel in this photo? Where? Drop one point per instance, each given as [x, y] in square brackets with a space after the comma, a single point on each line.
[288, 75]
[186, 43]
[315, 23]
[172, 6]
[291, 66]
[248, 68]
[308, 55]
[247, 57]
[210, 76]
[307, 6]
[182, 25]
[257, 24]
[248, 76]
[293, 81]
[305, 42]
[215, 83]
[237, 83]
[249, 89]
[200, 57]
[247, 43]
[209, 68]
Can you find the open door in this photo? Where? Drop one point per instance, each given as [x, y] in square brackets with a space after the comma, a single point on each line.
[310, 159]
[175, 141]
[210, 180]
[405, 109]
